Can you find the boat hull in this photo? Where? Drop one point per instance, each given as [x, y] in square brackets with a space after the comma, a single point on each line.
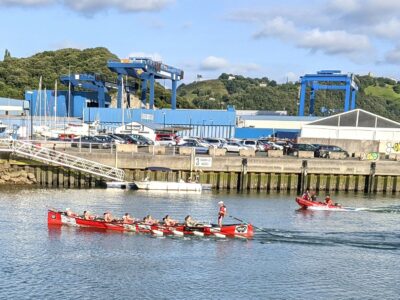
[314, 205]
[168, 186]
[229, 230]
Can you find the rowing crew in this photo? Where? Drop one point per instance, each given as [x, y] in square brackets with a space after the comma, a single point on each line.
[127, 219]
[148, 220]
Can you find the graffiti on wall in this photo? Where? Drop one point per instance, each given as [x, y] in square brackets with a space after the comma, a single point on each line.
[369, 156]
[392, 147]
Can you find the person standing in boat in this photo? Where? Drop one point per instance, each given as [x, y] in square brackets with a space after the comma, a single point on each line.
[221, 212]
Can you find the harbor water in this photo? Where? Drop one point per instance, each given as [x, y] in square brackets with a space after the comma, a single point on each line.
[296, 255]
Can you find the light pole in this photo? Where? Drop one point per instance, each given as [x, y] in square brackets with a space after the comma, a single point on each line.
[31, 113]
[164, 119]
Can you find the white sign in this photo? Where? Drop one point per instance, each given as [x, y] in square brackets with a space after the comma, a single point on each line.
[203, 162]
[148, 117]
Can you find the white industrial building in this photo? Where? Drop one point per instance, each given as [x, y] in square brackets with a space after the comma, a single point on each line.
[357, 124]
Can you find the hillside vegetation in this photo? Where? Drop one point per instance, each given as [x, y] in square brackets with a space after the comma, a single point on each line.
[20, 74]
[376, 94]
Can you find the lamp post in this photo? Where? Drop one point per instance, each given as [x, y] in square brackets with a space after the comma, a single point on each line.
[164, 119]
[31, 113]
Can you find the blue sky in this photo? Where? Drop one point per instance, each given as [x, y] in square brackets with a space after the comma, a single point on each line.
[277, 39]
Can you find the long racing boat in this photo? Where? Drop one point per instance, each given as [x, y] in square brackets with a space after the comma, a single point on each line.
[58, 218]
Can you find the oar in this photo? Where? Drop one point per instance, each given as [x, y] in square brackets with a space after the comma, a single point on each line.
[247, 223]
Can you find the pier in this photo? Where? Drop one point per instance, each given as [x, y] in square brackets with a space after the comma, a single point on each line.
[229, 172]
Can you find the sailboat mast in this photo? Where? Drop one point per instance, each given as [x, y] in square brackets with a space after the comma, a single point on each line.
[55, 104]
[40, 101]
[45, 106]
[122, 105]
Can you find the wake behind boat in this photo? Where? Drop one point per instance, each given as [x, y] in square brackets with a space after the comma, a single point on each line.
[58, 218]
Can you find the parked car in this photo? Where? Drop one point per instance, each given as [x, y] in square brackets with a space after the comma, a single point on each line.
[233, 146]
[127, 138]
[144, 140]
[198, 148]
[90, 142]
[217, 143]
[294, 150]
[108, 139]
[162, 136]
[325, 151]
[198, 141]
[166, 141]
[253, 144]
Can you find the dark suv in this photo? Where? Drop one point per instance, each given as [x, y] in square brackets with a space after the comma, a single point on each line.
[325, 150]
[300, 147]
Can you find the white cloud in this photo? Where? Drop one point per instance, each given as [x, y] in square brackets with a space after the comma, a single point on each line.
[279, 27]
[154, 56]
[334, 42]
[94, 6]
[389, 29]
[393, 56]
[212, 63]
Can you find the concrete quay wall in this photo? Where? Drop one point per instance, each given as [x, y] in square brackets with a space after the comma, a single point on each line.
[234, 173]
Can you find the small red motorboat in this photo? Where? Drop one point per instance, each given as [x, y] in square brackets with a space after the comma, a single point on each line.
[58, 218]
[314, 205]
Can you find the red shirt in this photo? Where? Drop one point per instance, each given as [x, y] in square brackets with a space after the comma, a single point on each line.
[222, 211]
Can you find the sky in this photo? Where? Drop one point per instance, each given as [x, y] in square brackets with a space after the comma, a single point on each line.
[281, 40]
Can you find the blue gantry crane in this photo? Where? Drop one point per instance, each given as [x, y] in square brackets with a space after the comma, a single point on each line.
[323, 81]
[147, 70]
[88, 82]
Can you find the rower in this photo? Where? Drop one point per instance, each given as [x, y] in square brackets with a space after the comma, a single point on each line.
[221, 212]
[189, 222]
[148, 220]
[127, 219]
[87, 216]
[69, 212]
[169, 222]
[108, 217]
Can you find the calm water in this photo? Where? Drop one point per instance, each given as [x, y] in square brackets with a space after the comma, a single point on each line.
[299, 255]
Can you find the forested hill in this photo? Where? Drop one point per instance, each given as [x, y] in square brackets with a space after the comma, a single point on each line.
[376, 94]
[20, 74]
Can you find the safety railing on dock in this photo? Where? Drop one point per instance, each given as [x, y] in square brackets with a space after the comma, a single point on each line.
[49, 156]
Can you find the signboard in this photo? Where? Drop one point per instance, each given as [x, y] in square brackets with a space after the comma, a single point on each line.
[205, 162]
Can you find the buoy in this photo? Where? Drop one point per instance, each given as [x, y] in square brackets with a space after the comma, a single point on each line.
[198, 233]
[219, 235]
[157, 232]
[177, 233]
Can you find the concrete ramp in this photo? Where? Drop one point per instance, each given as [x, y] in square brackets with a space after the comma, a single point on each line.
[48, 156]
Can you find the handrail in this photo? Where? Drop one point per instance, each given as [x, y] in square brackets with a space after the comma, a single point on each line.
[47, 155]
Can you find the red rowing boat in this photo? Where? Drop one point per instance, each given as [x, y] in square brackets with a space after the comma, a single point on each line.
[314, 205]
[230, 230]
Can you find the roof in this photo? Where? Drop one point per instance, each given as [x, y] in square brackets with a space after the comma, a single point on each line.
[279, 118]
[356, 118]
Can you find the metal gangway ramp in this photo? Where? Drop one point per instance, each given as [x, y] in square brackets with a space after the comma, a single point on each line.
[50, 156]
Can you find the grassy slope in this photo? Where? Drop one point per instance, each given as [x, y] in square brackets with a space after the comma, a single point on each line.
[385, 92]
